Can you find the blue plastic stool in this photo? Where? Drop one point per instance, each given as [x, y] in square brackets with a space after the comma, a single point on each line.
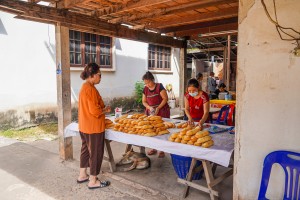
[289, 161]
[182, 165]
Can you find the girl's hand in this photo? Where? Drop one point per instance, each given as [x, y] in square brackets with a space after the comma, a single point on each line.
[191, 122]
[201, 126]
[156, 111]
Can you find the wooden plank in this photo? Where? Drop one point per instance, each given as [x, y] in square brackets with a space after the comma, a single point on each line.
[225, 13]
[197, 186]
[209, 177]
[200, 25]
[72, 3]
[182, 76]
[228, 62]
[111, 160]
[68, 18]
[189, 177]
[221, 178]
[197, 33]
[63, 90]
[170, 10]
[130, 5]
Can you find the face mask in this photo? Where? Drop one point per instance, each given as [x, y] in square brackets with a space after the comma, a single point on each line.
[193, 94]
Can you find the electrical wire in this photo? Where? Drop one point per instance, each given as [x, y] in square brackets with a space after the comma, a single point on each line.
[281, 29]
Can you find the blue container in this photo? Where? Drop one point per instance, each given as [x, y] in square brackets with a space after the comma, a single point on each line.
[182, 165]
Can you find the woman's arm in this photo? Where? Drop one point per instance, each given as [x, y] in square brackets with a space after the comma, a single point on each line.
[205, 114]
[144, 101]
[187, 110]
[164, 97]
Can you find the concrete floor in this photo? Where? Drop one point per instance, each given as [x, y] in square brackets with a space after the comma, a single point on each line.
[34, 170]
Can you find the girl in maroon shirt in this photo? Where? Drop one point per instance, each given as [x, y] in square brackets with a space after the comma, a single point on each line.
[155, 100]
[196, 103]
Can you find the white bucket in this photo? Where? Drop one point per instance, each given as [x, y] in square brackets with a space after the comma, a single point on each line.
[172, 103]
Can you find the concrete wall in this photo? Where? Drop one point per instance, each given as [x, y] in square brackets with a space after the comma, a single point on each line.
[28, 71]
[268, 109]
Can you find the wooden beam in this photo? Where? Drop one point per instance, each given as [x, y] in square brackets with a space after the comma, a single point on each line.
[171, 10]
[212, 29]
[182, 75]
[53, 15]
[228, 62]
[130, 5]
[72, 3]
[63, 90]
[199, 25]
[209, 16]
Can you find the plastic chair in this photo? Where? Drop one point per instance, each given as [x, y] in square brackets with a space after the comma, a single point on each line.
[223, 114]
[290, 162]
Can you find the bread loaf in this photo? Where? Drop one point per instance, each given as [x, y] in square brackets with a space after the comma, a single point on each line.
[204, 139]
[201, 134]
[208, 144]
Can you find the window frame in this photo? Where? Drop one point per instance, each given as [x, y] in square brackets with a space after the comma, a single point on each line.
[159, 56]
[82, 50]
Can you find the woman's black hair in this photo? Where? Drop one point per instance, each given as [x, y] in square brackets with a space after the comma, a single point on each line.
[199, 75]
[222, 85]
[148, 76]
[89, 70]
[193, 82]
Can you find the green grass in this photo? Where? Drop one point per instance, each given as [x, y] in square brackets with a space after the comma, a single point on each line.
[42, 131]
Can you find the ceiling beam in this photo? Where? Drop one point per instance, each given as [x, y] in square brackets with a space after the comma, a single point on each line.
[206, 30]
[208, 16]
[47, 14]
[209, 29]
[214, 34]
[71, 3]
[199, 25]
[172, 10]
[130, 5]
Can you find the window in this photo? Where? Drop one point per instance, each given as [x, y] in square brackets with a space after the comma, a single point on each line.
[159, 57]
[87, 47]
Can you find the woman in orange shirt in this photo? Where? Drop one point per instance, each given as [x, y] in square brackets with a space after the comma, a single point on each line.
[91, 119]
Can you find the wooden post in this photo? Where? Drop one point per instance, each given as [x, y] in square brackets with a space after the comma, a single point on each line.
[63, 90]
[228, 62]
[182, 75]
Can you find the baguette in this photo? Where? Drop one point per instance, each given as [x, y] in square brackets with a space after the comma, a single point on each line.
[208, 144]
[204, 139]
[150, 134]
[201, 134]
[163, 132]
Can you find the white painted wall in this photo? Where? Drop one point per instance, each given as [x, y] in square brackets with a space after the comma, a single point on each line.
[27, 63]
[27, 60]
[268, 109]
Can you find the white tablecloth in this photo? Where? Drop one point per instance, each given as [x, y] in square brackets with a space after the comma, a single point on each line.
[220, 153]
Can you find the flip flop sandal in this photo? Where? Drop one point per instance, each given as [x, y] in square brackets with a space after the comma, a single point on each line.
[83, 181]
[152, 152]
[102, 185]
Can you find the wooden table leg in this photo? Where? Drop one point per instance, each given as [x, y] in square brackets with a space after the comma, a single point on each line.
[143, 150]
[209, 177]
[110, 157]
[189, 177]
[128, 148]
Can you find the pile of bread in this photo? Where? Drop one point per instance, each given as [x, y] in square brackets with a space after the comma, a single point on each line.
[108, 124]
[142, 124]
[192, 136]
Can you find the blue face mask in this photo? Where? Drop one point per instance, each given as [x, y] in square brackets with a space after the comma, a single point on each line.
[193, 94]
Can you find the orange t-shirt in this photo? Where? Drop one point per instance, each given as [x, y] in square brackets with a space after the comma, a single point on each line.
[90, 117]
